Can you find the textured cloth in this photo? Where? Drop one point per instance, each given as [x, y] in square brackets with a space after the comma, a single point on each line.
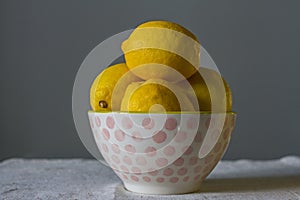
[88, 179]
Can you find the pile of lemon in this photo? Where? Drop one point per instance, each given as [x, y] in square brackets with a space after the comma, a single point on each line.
[162, 73]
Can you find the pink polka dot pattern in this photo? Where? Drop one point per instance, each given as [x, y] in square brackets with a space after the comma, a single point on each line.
[187, 150]
[140, 160]
[134, 178]
[136, 170]
[125, 177]
[217, 147]
[197, 169]
[192, 123]
[169, 150]
[91, 123]
[168, 172]
[197, 177]
[182, 171]
[98, 121]
[174, 180]
[161, 162]
[160, 180]
[137, 137]
[159, 137]
[127, 123]
[171, 124]
[115, 159]
[148, 123]
[124, 169]
[179, 162]
[104, 147]
[110, 123]
[130, 149]
[119, 135]
[198, 137]
[153, 173]
[105, 134]
[127, 160]
[180, 136]
[115, 148]
[193, 160]
[185, 179]
[209, 158]
[150, 151]
[146, 179]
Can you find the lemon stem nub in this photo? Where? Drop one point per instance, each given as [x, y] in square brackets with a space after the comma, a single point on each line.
[103, 104]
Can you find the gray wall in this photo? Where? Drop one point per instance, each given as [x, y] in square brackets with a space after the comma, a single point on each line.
[42, 44]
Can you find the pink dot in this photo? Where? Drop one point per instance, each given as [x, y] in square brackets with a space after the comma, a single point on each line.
[171, 124]
[226, 134]
[180, 136]
[115, 159]
[159, 137]
[174, 180]
[179, 161]
[115, 148]
[135, 178]
[185, 179]
[217, 147]
[182, 171]
[104, 147]
[197, 177]
[110, 123]
[197, 169]
[187, 150]
[146, 179]
[192, 123]
[125, 177]
[150, 151]
[193, 160]
[148, 123]
[105, 134]
[124, 169]
[152, 172]
[91, 122]
[198, 137]
[160, 180]
[130, 149]
[127, 160]
[136, 170]
[98, 121]
[119, 135]
[208, 159]
[140, 160]
[168, 172]
[161, 162]
[136, 136]
[169, 150]
[127, 123]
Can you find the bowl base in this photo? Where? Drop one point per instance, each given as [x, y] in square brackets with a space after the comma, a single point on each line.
[162, 189]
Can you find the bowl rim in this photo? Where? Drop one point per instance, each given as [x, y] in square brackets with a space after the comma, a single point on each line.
[168, 112]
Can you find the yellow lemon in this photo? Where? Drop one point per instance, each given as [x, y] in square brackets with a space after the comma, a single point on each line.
[211, 90]
[104, 85]
[155, 95]
[162, 50]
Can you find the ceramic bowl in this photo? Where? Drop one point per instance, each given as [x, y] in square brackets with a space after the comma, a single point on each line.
[162, 153]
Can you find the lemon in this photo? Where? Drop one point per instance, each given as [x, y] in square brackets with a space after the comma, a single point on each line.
[212, 91]
[155, 95]
[104, 85]
[162, 50]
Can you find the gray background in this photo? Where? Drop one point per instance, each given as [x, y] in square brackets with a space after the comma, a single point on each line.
[42, 44]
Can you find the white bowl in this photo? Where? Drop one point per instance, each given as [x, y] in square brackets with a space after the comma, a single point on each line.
[168, 153]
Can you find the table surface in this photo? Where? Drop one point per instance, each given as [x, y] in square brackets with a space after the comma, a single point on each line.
[88, 179]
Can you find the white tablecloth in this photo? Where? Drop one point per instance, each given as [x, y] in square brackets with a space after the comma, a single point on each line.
[88, 179]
